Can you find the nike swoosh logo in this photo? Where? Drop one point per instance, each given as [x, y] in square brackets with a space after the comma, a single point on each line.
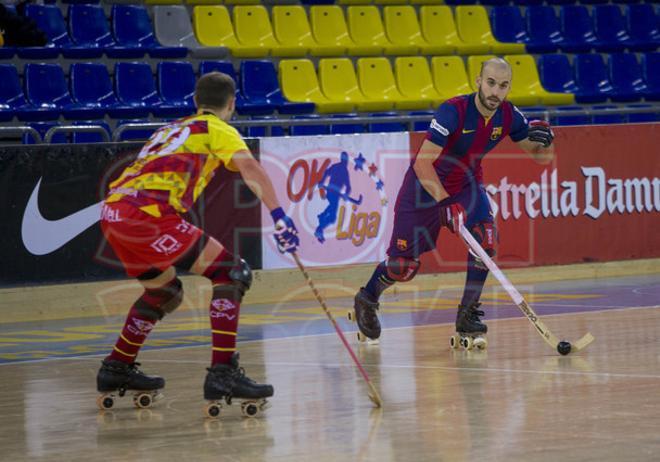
[467, 131]
[42, 236]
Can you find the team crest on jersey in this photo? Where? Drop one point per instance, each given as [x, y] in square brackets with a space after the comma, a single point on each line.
[401, 244]
[496, 133]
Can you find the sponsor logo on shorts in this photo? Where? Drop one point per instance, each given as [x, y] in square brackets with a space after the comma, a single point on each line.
[401, 244]
[185, 227]
[110, 215]
[140, 327]
[222, 308]
[439, 128]
[166, 244]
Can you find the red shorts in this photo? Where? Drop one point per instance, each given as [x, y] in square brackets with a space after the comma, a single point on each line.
[143, 241]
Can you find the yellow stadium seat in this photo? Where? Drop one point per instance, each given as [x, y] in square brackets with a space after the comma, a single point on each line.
[253, 28]
[439, 28]
[426, 2]
[474, 28]
[414, 80]
[390, 2]
[339, 83]
[204, 2]
[242, 2]
[366, 28]
[291, 28]
[403, 28]
[518, 96]
[299, 83]
[377, 82]
[354, 2]
[449, 76]
[213, 28]
[526, 81]
[329, 28]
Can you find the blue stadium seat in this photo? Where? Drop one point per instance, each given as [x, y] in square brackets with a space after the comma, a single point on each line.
[578, 29]
[90, 137]
[606, 119]
[626, 77]
[651, 73]
[557, 74]
[42, 128]
[176, 85]
[509, 26]
[422, 126]
[91, 86]
[495, 2]
[570, 119]
[256, 132]
[610, 28]
[89, 28]
[308, 130]
[591, 77]
[378, 127]
[260, 87]
[11, 93]
[347, 128]
[643, 117]
[459, 2]
[135, 87]
[544, 29]
[135, 33]
[50, 21]
[135, 134]
[529, 2]
[642, 23]
[225, 67]
[561, 2]
[633, 1]
[594, 2]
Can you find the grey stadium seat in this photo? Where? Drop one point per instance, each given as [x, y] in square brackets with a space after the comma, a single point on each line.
[173, 28]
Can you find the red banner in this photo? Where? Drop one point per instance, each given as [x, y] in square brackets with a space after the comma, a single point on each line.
[599, 200]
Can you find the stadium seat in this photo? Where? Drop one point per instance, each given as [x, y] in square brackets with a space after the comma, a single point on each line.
[46, 87]
[567, 118]
[226, 67]
[377, 82]
[259, 85]
[352, 2]
[526, 83]
[91, 86]
[366, 29]
[173, 29]
[253, 28]
[381, 127]
[557, 74]
[291, 28]
[403, 29]
[508, 25]
[642, 23]
[299, 83]
[426, 2]
[610, 28]
[49, 20]
[176, 86]
[626, 78]
[346, 128]
[133, 31]
[79, 137]
[339, 83]
[578, 30]
[544, 29]
[89, 27]
[308, 130]
[592, 80]
[495, 2]
[606, 119]
[449, 76]
[642, 116]
[529, 2]
[213, 28]
[135, 87]
[329, 29]
[595, 2]
[260, 131]
[135, 134]
[438, 28]
[12, 99]
[561, 2]
[413, 77]
[474, 27]
[651, 73]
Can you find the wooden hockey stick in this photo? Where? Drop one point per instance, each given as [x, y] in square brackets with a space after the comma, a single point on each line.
[563, 347]
[373, 393]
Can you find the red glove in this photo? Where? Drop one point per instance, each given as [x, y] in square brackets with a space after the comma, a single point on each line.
[452, 216]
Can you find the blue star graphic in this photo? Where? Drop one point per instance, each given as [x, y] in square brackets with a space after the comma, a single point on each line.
[359, 162]
[379, 185]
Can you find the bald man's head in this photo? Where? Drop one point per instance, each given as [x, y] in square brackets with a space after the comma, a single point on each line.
[493, 83]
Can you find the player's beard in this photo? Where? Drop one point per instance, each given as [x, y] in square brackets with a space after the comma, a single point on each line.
[485, 102]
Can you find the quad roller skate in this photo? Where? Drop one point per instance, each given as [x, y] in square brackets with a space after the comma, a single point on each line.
[364, 313]
[226, 382]
[470, 331]
[115, 378]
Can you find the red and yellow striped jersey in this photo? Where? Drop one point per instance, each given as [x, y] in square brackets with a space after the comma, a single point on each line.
[177, 163]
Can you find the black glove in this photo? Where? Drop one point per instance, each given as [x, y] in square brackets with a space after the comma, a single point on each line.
[539, 131]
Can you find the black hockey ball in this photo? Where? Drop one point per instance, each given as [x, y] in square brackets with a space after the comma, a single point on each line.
[564, 347]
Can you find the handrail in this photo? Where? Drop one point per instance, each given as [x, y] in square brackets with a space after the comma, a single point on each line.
[90, 128]
[22, 129]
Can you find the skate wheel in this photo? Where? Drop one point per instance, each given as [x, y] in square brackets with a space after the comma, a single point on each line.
[213, 410]
[361, 337]
[249, 409]
[105, 402]
[143, 400]
[454, 341]
[480, 343]
[351, 315]
[467, 343]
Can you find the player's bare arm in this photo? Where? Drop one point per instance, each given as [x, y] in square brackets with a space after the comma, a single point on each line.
[426, 174]
[256, 178]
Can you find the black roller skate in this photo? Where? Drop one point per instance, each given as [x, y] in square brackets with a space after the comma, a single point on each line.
[470, 331]
[364, 313]
[116, 377]
[225, 382]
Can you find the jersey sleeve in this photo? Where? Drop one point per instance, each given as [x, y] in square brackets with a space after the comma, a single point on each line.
[519, 125]
[225, 142]
[443, 124]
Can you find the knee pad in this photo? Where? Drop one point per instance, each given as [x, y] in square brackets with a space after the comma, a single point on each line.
[402, 269]
[238, 275]
[485, 234]
[156, 303]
